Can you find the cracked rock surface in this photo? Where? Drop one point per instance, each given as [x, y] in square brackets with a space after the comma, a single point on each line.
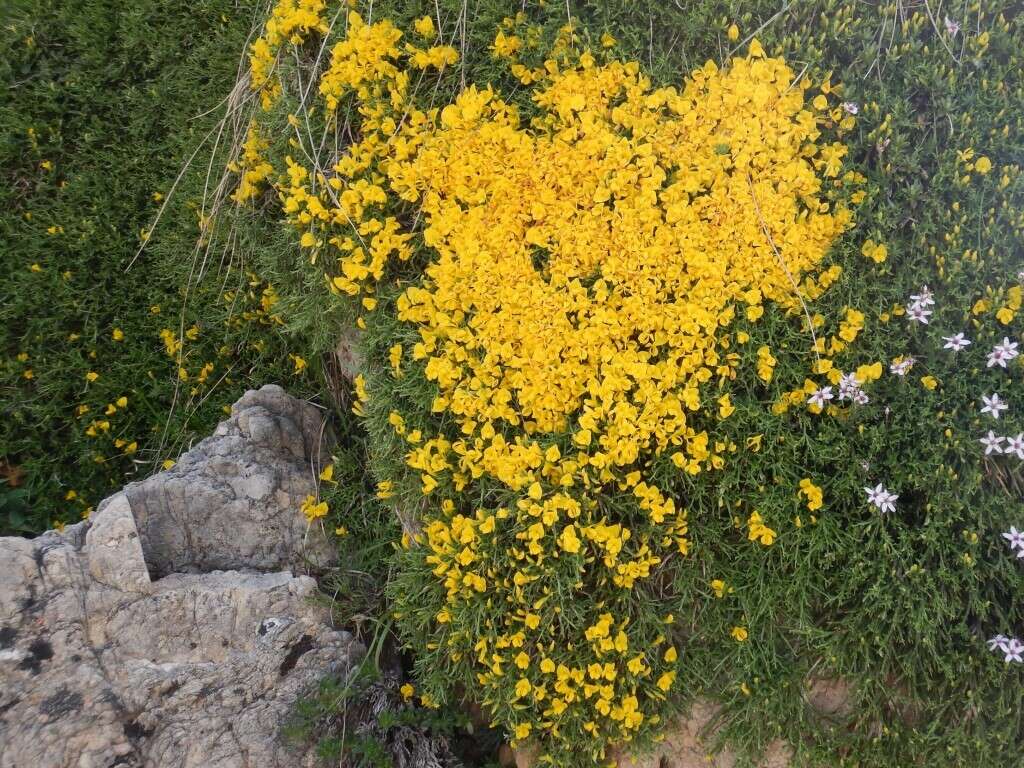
[169, 629]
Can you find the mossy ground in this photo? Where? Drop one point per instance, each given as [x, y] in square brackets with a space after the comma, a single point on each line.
[115, 97]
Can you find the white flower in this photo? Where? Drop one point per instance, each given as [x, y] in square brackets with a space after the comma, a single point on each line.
[952, 27]
[993, 405]
[881, 498]
[1003, 353]
[993, 443]
[850, 107]
[848, 385]
[1020, 276]
[923, 299]
[999, 641]
[903, 366]
[1013, 649]
[1015, 538]
[1015, 445]
[820, 397]
[956, 343]
[918, 314]
[860, 397]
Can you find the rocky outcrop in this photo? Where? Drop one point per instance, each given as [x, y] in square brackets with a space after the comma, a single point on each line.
[169, 630]
[233, 500]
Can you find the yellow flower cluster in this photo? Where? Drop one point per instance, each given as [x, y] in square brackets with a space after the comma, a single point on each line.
[813, 494]
[758, 531]
[574, 315]
[312, 509]
[290, 22]
[254, 170]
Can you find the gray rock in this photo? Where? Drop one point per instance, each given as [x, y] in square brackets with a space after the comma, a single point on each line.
[232, 501]
[151, 634]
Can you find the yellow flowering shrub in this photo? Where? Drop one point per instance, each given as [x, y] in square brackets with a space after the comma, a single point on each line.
[579, 273]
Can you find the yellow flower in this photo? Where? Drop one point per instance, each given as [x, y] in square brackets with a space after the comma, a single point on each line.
[568, 541]
[313, 509]
[877, 252]
[168, 463]
[983, 165]
[739, 634]
[300, 364]
[407, 691]
[725, 406]
[812, 493]
[424, 27]
[719, 587]
[117, 334]
[929, 382]
[395, 359]
[666, 680]
[91, 376]
[866, 373]
[522, 731]
[733, 33]
[757, 531]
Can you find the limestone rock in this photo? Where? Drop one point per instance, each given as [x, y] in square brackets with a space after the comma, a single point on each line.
[152, 635]
[233, 500]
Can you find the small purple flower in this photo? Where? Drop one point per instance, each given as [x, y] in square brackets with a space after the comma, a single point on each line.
[1003, 353]
[952, 27]
[820, 397]
[1014, 538]
[881, 498]
[848, 384]
[1013, 650]
[956, 343]
[999, 641]
[1015, 445]
[851, 107]
[918, 314]
[993, 405]
[923, 299]
[902, 368]
[993, 443]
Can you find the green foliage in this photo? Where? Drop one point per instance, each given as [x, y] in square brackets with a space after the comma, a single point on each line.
[104, 103]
